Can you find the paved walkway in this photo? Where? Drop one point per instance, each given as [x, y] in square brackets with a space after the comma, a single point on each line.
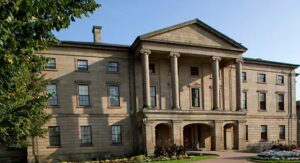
[228, 157]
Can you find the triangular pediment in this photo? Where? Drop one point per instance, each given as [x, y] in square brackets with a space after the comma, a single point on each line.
[193, 32]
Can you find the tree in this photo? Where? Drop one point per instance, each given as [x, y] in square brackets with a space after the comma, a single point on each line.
[25, 29]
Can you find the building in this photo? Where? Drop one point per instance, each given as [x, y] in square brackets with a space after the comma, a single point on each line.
[187, 84]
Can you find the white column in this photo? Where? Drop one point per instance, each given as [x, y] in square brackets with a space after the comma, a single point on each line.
[215, 78]
[174, 77]
[238, 75]
[146, 78]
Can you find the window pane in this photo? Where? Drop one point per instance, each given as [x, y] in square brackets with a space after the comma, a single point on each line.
[114, 95]
[244, 104]
[51, 89]
[262, 78]
[246, 132]
[86, 135]
[84, 99]
[82, 64]
[116, 135]
[244, 77]
[194, 71]
[83, 90]
[280, 79]
[264, 132]
[151, 68]
[195, 97]
[281, 132]
[113, 66]
[51, 63]
[54, 136]
[153, 96]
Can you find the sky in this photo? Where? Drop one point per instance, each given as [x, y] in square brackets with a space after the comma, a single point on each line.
[270, 29]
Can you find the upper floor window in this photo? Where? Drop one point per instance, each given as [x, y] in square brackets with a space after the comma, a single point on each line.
[152, 68]
[280, 102]
[51, 63]
[52, 89]
[116, 134]
[113, 66]
[244, 100]
[54, 135]
[264, 132]
[262, 101]
[262, 78]
[83, 93]
[153, 96]
[194, 71]
[244, 76]
[280, 79]
[82, 65]
[86, 135]
[114, 96]
[195, 97]
[282, 132]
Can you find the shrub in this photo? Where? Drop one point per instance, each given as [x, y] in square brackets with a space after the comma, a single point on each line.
[170, 151]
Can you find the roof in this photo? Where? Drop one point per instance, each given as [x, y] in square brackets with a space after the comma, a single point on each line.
[258, 60]
[194, 21]
[100, 44]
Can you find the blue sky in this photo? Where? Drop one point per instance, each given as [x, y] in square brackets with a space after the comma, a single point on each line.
[270, 29]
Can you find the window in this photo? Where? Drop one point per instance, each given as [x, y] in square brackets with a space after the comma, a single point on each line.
[280, 79]
[244, 100]
[54, 136]
[246, 128]
[262, 101]
[116, 133]
[52, 89]
[82, 65]
[261, 78]
[84, 97]
[51, 63]
[195, 97]
[114, 97]
[113, 66]
[244, 76]
[86, 135]
[280, 102]
[194, 71]
[282, 132]
[264, 132]
[152, 68]
[153, 96]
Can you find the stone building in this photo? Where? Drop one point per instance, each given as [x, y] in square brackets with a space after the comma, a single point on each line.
[187, 84]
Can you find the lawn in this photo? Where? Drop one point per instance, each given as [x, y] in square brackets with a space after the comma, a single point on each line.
[272, 161]
[196, 158]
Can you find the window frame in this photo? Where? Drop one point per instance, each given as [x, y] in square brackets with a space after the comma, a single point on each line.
[281, 135]
[83, 135]
[57, 136]
[82, 69]
[247, 133]
[278, 102]
[151, 71]
[277, 79]
[199, 97]
[48, 62]
[265, 78]
[244, 77]
[264, 135]
[114, 140]
[78, 95]
[194, 69]
[245, 101]
[259, 101]
[55, 95]
[109, 95]
[109, 68]
[155, 97]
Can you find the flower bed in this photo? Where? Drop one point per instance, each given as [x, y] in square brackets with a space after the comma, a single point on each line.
[278, 155]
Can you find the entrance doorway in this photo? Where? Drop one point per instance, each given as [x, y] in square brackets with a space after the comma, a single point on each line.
[230, 135]
[198, 137]
[163, 135]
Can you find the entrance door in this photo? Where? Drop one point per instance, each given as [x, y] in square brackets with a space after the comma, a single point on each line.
[229, 138]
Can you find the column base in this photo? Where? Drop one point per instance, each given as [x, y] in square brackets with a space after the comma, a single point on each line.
[241, 110]
[176, 108]
[218, 109]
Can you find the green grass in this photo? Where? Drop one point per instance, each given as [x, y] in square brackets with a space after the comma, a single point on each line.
[253, 159]
[196, 158]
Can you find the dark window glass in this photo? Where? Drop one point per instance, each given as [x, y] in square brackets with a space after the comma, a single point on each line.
[281, 102]
[113, 66]
[116, 135]
[262, 101]
[114, 97]
[264, 132]
[280, 79]
[244, 76]
[281, 132]
[262, 78]
[153, 96]
[51, 63]
[82, 65]
[83, 92]
[152, 68]
[52, 89]
[194, 71]
[54, 136]
[86, 135]
[244, 100]
[195, 97]
[247, 133]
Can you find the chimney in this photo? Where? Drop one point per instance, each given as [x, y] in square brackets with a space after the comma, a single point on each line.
[97, 33]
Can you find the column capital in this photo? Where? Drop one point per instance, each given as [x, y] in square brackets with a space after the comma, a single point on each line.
[174, 54]
[145, 51]
[216, 58]
[239, 60]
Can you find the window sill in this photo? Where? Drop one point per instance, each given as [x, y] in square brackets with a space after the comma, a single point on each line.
[54, 106]
[49, 147]
[50, 69]
[263, 140]
[195, 108]
[84, 71]
[84, 107]
[86, 145]
[281, 111]
[262, 110]
[261, 82]
[194, 76]
[116, 144]
[280, 84]
[114, 107]
[112, 72]
[244, 81]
